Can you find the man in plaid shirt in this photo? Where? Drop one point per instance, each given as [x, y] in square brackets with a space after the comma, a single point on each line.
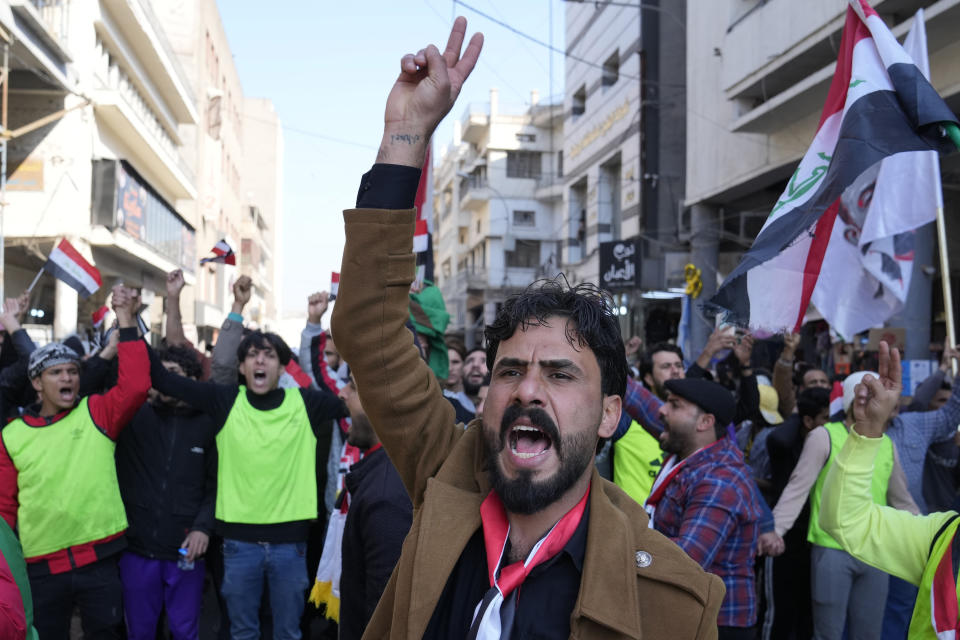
[702, 498]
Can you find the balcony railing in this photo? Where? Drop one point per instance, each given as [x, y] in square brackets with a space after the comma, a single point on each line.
[476, 279]
[55, 15]
[115, 78]
[167, 48]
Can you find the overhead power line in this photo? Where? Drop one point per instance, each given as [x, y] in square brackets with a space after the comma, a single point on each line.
[513, 29]
[646, 7]
[305, 132]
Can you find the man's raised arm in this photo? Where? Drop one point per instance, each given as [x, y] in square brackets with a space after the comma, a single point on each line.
[399, 393]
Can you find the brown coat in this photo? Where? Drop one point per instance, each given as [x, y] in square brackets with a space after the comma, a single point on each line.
[440, 463]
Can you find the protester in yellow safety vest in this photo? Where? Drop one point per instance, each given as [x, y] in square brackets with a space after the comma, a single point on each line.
[269, 440]
[58, 482]
[922, 550]
[637, 459]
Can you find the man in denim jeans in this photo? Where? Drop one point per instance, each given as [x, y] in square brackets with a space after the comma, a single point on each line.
[268, 441]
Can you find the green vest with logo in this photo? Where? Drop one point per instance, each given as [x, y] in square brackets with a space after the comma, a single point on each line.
[66, 482]
[882, 469]
[266, 472]
[637, 458]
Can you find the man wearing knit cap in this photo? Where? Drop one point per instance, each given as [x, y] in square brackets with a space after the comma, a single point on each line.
[702, 498]
[841, 586]
[58, 482]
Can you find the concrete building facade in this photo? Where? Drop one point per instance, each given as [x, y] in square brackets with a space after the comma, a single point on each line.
[238, 195]
[497, 197]
[757, 77]
[107, 170]
[138, 159]
[624, 145]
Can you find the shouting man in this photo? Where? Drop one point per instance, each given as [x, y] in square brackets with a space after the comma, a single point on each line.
[511, 504]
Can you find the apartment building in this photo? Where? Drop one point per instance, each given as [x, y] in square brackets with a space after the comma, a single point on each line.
[263, 191]
[497, 197]
[238, 192]
[623, 152]
[757, 77]
[106, 170]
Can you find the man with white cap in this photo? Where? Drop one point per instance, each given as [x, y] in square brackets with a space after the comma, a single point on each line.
[844, 590]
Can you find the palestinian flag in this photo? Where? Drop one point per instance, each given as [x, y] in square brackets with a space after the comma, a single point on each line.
[850, 209]
[222, 253]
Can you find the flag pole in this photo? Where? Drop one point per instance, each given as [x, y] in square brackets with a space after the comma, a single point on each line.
[945, 278]
[36, 279]
[954, 134]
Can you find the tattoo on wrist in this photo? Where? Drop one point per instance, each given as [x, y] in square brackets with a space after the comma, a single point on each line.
[400, 140]
[410, 139]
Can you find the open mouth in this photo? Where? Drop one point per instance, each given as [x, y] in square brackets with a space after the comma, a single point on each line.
[259, 376]
[66, 394]
[528, 442]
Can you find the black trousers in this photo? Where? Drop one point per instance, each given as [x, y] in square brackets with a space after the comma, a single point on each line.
[94, 588]
[793, 613]
[729, 633]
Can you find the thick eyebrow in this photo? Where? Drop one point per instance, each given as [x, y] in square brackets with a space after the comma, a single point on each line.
[510, 362]
[558, 364]
[561, 364]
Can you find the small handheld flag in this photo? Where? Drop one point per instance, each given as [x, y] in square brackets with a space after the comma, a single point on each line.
[222, 253]
[65, 263]
[334, 285]
[99, 315]
[423, 233]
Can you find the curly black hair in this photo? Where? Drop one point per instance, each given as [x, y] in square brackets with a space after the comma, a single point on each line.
[183, 356]
[262, 340]
[592, 324]
[811, 402]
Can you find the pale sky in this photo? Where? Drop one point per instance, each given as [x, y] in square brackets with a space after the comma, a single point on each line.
[328, 67]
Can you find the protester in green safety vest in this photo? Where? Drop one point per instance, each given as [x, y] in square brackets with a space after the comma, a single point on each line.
[269, 440]
[58, 481]
[838, 580]
[922, 550]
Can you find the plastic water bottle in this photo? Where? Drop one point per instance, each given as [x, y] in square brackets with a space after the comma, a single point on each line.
[184, 563]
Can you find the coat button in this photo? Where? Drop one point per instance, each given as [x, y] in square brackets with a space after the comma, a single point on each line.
[644, 559]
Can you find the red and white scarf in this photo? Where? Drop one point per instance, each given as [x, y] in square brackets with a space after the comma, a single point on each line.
[487, 624]
[671, 466]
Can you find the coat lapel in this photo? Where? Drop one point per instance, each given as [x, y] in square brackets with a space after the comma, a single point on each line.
[450, 517]
[608, 587]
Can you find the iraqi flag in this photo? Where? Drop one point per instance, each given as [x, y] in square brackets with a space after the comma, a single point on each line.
[65, 263]
[841, 234]
[222, 253]
[423, 232]
[334, 285]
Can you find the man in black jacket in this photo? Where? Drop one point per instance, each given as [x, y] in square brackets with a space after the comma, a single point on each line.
[268, 440]
[378, 519]
[166, 466]
[793, 616]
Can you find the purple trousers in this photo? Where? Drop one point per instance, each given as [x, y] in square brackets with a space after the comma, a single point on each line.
[150, 586]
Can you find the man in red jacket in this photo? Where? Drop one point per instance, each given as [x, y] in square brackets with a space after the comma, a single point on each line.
[58, 482]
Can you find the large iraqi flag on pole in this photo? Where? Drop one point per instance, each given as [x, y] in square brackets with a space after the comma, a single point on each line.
[841, 234]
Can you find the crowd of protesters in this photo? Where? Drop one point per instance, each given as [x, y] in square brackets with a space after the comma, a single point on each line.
[410, 487]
